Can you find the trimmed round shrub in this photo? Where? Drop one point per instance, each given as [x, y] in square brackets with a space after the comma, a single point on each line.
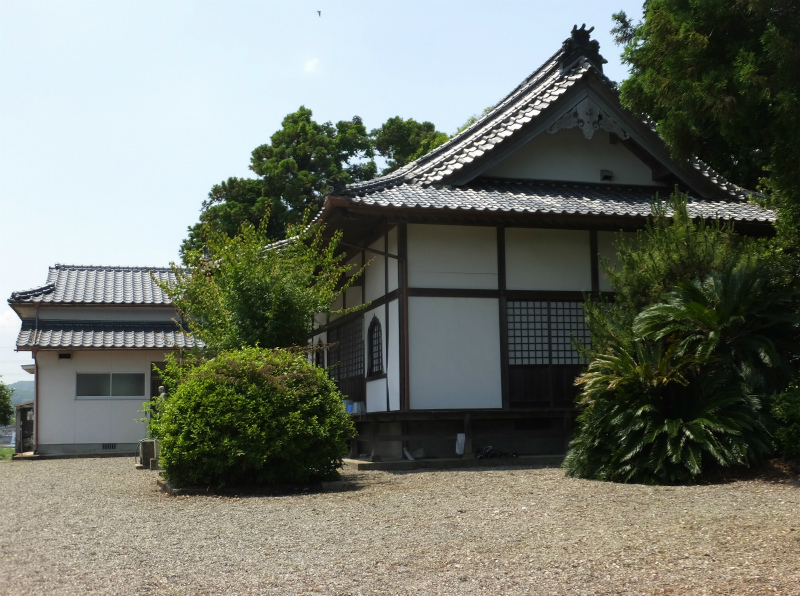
[251, 417]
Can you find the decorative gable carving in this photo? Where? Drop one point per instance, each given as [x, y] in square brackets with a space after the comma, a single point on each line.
[589, 117]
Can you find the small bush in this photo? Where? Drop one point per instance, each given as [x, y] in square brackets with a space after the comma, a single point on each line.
[251, 417]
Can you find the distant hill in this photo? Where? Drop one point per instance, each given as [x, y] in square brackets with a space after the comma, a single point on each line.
[23, 391]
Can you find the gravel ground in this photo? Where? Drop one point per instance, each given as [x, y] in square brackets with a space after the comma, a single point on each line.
[98, 526]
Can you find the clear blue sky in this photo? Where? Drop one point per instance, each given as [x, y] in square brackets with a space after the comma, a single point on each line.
[117, 116]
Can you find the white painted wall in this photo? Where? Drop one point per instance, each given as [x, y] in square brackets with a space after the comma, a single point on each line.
[605, 249]
[354, 297]
[393, 372]
[568, 155]
[107, 313]
[538, 259]
[454, 353]
[66, 420]
[374, 274]
[452, 257]
[376, 395]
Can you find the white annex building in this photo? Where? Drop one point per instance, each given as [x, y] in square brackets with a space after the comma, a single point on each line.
[95, 333]
[478, 256]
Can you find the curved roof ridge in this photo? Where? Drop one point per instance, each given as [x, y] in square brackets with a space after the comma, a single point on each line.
[24, 294]
[64, 267]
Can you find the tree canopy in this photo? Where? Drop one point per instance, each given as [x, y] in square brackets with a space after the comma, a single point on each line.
[403, 141]
[234, 292]
[6, 408]
[721, 81]
[304, 161]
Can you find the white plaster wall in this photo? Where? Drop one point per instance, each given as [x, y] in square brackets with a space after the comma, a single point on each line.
[108, 313]
[452, 257]
[568, 155]
[454, 353]
[374, 274]
[605, 249]
[538, 259]
[66, 420]
[355, 294]
[376, 395]
[337, 304]
[393, 372]
[354, 297]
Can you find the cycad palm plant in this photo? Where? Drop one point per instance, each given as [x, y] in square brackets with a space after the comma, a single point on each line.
[679, 395]
[676, 378]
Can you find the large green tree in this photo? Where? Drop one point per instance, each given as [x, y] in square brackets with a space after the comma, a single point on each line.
[6, 408]
[305, 160]
[721, 79]
[403, 141]
[230, 204]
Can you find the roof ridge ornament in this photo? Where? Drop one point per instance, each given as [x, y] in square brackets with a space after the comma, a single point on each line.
[589, 117]
[578, 45]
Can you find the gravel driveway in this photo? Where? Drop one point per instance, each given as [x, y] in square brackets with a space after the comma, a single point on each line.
[98, 526]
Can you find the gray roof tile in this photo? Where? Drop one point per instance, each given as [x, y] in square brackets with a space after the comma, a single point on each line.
[83, 334]
[525, 196]
[91, 284]
[529, 101]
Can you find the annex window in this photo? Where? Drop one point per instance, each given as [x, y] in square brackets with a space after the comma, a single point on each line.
[542, 362]
[346, 358]
[375, 348]
[108, 385]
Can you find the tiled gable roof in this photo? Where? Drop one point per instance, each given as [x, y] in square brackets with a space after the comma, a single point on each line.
[90, 334]
[530, 196]
[71, 284]
[528, 103]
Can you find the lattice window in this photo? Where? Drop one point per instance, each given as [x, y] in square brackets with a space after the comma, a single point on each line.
[541, 332]
[375, 348]
[346, 357]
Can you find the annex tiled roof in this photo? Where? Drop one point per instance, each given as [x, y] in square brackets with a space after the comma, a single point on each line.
[526, 196]
[99, 285]
[527, 103]
[83, 334]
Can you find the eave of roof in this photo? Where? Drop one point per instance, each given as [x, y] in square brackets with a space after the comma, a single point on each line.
[530, 196]
[50, 334]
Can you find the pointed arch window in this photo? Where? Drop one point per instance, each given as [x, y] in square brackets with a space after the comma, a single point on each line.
[375, 348]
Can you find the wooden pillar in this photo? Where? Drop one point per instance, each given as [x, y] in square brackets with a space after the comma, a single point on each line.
[374, 428]
[468, 451]
[503, 309]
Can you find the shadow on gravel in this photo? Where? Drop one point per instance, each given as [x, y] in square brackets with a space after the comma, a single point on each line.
[348, 483]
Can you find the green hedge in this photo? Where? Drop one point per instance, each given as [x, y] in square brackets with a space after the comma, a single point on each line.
[251, 417]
